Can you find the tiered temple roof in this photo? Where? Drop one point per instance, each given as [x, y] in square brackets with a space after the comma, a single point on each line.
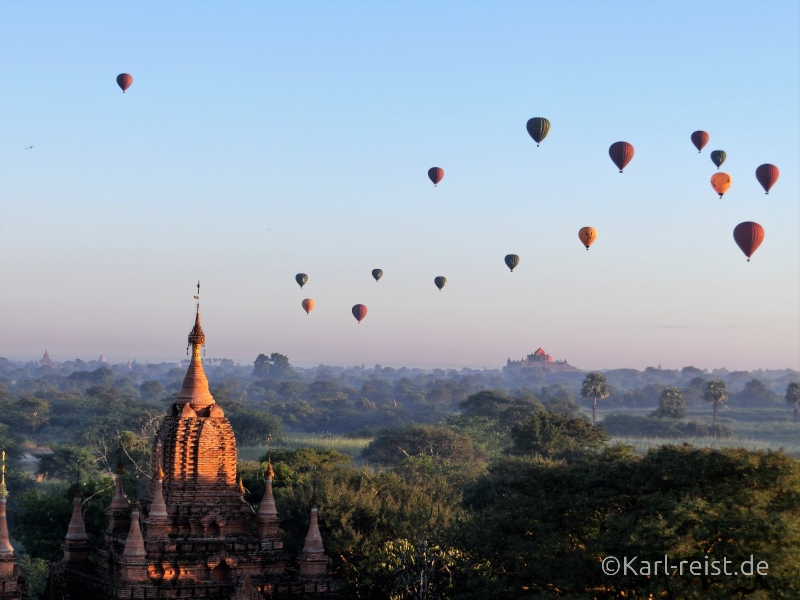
[193, 535]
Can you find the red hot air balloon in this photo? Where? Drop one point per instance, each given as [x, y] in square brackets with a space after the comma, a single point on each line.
[435, 174]
[359, 312]
[699, 139]
[748, 236]
[767, 175]
[124, 81]
[621, 153]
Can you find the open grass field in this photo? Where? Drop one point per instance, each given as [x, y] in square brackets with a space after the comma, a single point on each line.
[753, 429]
[292, 441]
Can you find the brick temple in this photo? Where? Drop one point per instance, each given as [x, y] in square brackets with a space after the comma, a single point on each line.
[192, 535]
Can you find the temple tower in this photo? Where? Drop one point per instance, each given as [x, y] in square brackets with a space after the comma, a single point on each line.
[12, 585]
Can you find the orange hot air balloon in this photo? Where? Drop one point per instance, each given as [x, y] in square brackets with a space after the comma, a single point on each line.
[308, 305]
[587, 236]
[359, 312]
[124, 81]
[767, 175]
[721, 182]
[435, 174]
[748, 236]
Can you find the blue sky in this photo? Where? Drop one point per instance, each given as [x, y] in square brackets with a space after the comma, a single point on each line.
[259, 140]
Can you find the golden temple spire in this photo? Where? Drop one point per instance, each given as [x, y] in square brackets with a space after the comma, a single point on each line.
[195, 384]
[3, 489]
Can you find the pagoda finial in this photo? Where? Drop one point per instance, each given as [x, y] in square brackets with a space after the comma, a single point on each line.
[195, 384]
[196, 336]
[3, 489]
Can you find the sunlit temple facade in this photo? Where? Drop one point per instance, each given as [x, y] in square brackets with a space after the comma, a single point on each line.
[192, 535]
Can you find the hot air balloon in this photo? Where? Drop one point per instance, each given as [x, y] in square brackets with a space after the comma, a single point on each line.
[587, 236]
[301, 279]
[721, 182]
[512, 260]
[435, 174]
[308, 305]
[440, 282]
[359, 312]
[377, 274]
[718, 157]
[621, 154]
[538, 128]
[124, 81]
[748, 236]
[767, 175]
[699, 139]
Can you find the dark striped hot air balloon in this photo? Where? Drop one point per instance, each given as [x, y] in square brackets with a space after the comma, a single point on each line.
[301, 279]
[538, 128]
[699, 139]
[440, 282]
[718, 157]
[767, 175]
[124, 81]
[435, 174]
[748, 236]
[512, 260]
[377, 273]
[621, 154]
[359, 312]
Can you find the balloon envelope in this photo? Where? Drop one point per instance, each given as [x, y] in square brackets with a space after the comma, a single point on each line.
[621, 154]
[721, 182]
[538, 128]
[587, 236]
[718, 157]
[359, 312]
[377, 273]
[435, 174]
[699, 139]
[308, 305]
[512, 260]
[767, 175]
[301, 279]
[748, 236]
[124, 81]
[440, 282]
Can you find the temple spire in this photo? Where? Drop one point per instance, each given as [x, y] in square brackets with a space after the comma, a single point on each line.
[195, 384]
[5, 544]
[76, 543]
[267, 512]
[134, 544]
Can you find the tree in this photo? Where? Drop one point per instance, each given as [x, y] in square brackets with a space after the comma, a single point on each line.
[716, 394]
[64, 462]
[671, 404]
[392, 446]
[276, 366]
[793, 397]
[253, 427]
[552, 435]
[595, 387]
[151, 390]
[544, 527]
[756, 394]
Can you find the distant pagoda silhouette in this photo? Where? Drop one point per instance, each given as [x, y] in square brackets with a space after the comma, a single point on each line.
[193, 535]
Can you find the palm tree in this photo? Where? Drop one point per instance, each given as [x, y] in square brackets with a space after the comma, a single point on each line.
[793, 397]
[717, 394]
[595, 387]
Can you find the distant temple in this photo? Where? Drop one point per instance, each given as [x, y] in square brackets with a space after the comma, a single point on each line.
[46, 362]
[193, 535]
[539, 359]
